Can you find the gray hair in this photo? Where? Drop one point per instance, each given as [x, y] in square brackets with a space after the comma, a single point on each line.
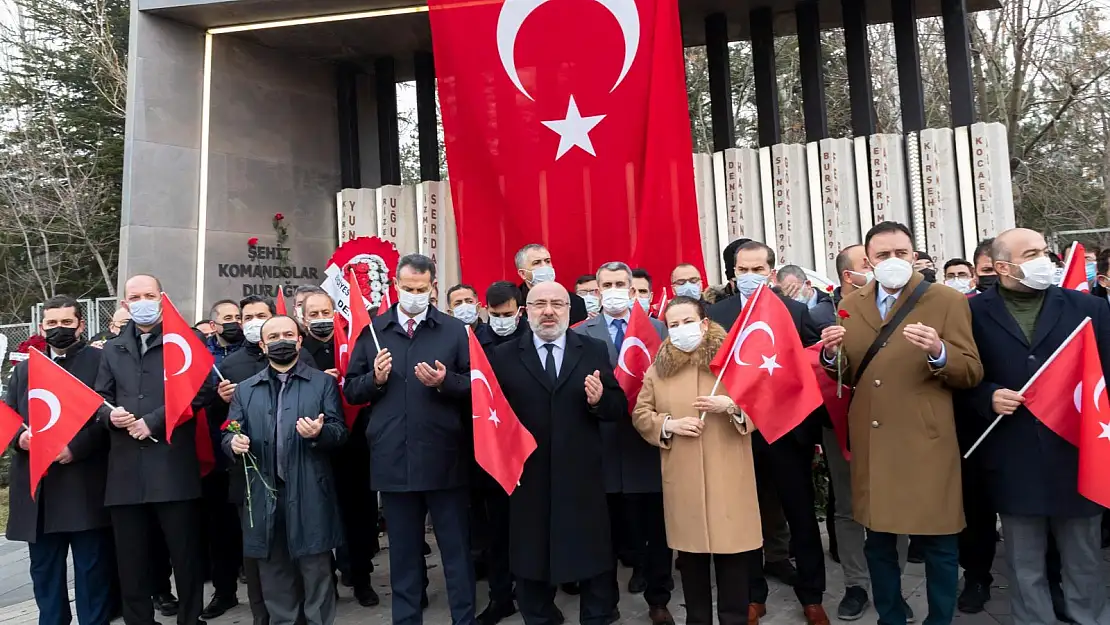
[308, 289]
[419, 263]
[792, 270]
[522, 253]
[615, 265]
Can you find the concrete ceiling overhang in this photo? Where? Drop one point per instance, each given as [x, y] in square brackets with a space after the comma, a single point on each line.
[401, 35]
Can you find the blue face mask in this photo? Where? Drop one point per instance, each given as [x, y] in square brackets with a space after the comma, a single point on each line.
[748, 283]
[688, 290]
[1091, 272]
[145, 312]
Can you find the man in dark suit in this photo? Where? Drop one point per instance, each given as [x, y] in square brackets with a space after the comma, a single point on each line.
[149, 479]
[560, 386]
[68, 512]
[633, 482]
[533, 265]
[418, 388]
[788, 463]
[1018, 326]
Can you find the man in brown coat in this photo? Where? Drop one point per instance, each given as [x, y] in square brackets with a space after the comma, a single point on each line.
[905, 457]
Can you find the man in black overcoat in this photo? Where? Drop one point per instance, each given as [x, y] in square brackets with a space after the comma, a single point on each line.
[560, 386]
[68, 512]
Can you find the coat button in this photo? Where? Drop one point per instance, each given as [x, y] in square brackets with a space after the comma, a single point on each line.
[1032, 357]
[141, 396]
[878, 383]
[874, 424]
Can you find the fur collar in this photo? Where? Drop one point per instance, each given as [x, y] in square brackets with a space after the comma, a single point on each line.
[672, 360]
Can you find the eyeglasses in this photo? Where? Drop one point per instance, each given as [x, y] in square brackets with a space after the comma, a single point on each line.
[557, 306]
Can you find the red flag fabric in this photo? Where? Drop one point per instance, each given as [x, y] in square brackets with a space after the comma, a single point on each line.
[10, 422]
[206, 455]
[186, 368]
[360, 317]
[501, 443]
[837, 406]
[1094, 441]
[343, 358]
[1059, 378]
[1075, 269]
[279, 302]
[385, 303]
[564, 123]
[637, 352]
[59, 405]
[782, 391]
[660, 304]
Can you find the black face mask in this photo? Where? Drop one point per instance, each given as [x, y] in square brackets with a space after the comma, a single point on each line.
[282, 352]
[930, 274]
[61, 338]
[321, 327]
[982, 283]
[231, 332]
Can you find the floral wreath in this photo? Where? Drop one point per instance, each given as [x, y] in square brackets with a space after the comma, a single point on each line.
[371, 259]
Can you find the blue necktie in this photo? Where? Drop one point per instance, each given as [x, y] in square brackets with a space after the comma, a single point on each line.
[619, 325]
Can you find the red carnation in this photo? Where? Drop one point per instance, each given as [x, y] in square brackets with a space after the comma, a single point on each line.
[278, 216]
[227, 424]
[253, 241]
[830, 288]
[843, 314]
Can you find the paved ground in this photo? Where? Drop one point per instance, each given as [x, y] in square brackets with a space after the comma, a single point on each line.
[17, 604]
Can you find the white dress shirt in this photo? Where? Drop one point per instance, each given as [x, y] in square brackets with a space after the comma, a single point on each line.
[403, 318]
[541, 351]
[612, 328]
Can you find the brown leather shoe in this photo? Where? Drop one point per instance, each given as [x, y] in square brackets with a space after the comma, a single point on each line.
[815, 614]
[660, 616]
[756, 611]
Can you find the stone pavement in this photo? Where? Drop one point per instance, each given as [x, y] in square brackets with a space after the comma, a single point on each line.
[17, 604]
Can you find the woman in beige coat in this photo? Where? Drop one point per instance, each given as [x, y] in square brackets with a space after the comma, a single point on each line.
[709, 495]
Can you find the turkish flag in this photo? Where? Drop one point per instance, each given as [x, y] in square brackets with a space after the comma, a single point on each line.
[1059, 380]
[186, 368]
[836, 406]
[279, 302]
[206, 456]
[660, 304]
[342, 345]
[10, 422]
[1075, 269]
[566, 123]
[59, 406]
[765, 369]
[641, 344]
[1094, 441]
[501, 443]
[385, 304]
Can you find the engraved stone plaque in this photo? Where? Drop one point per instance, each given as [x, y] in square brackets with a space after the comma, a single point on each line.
[793, 228]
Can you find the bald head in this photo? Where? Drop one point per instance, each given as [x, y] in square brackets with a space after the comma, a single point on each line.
[548, 310]
[1012, 248]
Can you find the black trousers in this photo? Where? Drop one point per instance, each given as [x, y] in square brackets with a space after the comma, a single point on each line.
[645, 524]
[537, 601]
[732, 587]
[358, 505]
[788, 464]
[223, 534]
[180, 522]
[978, 539]
[622, 543]
[491, 510]
[159, 561]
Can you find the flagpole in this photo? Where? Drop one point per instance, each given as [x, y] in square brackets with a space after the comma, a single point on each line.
[744, 324]
[1032, 379]
[111, 407]
[1071, 257]
[218, 374]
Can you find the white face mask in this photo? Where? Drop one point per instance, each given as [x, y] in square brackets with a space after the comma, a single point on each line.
[688, 290]
[503, 326]
[686, 337]
[413, 303]
[145, 312]
[963, 285]
[893, 273]
[749, 283]
[466, 313]
[867, 277]
[252, 331]
[645, 303]
[1039, 273]
[543, 274]
[615, 301]
[593, 303]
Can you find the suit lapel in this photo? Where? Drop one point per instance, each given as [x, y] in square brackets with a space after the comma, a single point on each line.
[571, 355]
[868, 308]
[596, 328]
[1051, 310]
[531, 359]
[997, 309]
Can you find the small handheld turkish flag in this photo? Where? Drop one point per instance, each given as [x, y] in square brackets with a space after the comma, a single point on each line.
[1059, 379]
[343, 344]
[501, 442]
[185, 373]
[1075, 269]
[641, 344]
[59, 406]
[749, 362]
[10, 422]
[1094, 434]
[279, 302]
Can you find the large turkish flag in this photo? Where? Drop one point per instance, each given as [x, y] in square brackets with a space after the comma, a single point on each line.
[566, 124]
[186, 367]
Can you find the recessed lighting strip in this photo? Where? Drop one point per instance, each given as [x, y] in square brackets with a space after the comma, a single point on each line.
[319, 19]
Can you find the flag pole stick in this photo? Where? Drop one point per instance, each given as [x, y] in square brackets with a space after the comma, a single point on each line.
[743, 324]
[1032, 379]
[218, 374]
[111, 407]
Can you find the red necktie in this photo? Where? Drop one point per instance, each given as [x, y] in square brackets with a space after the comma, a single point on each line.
[411, 327]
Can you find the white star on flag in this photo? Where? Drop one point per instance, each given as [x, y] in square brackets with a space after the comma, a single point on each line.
[493, 417]
[770, 365]
[1105, 430]
[574, 130]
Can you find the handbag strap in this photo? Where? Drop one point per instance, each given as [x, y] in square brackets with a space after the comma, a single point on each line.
[889, 328]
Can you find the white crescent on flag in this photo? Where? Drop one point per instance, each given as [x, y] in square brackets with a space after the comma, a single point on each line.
[758, 325]
[51, 401]
[178, 340]
[631, 342]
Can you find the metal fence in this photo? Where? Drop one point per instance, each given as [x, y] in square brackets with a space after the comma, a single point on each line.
[98, 312]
